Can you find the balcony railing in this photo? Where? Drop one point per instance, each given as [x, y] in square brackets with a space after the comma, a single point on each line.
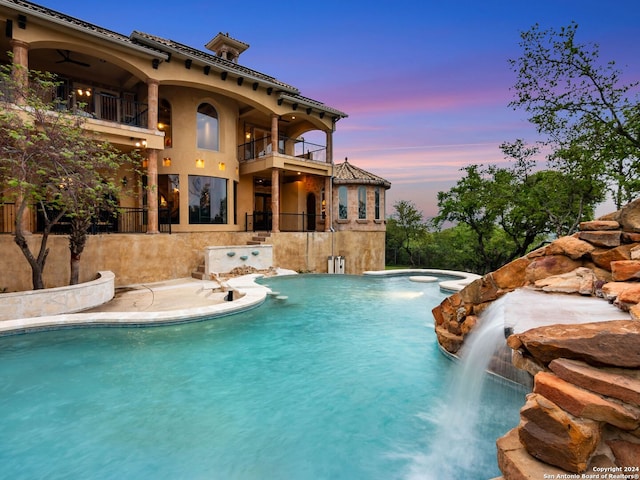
[289, 222]
[124, 220]
[91, 104]
[103, 106]
[295, 147]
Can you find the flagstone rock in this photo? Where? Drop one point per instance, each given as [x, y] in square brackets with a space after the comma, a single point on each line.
[555, 436]
[515, 463]
[625, 270]
[599, 225]
[449, 341]
[603, 257]
[571, 247]
[628, 297]
[627, 454]
[480, 290]
[635, 312]
[609, 343]
[620, 383]
[544, 267]
[512, 275]
[583, 403]
[629, 216]
[611, 290]
[630, 237]
[602, 238]
[635, 252]
[581, 280]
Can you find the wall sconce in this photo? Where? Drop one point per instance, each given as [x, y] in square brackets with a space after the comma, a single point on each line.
[84, 93]
[199, 163]
[247, 135]
[222, 166]
[145, 163]
[166, 162]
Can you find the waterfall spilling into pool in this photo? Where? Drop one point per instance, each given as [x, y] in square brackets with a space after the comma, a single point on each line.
[463, 416]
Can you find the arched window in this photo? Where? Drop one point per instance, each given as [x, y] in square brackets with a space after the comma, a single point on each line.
[207, 120]
[362, 203]
[164, 122]
[342, 203]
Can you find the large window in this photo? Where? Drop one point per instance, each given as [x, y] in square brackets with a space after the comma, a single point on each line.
[207, 120]
[207, 199]
[377, 203]
[362, 203]
[342, 203]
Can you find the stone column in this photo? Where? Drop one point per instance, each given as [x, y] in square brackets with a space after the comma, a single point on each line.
[274, 133]
[152, 158]
[275, 200]
[329, 146]
[21, 77]
[328, 208]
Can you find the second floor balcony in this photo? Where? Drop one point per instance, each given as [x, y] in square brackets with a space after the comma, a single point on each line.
[293, 147]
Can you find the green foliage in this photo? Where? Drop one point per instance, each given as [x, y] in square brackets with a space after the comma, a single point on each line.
[581, 106]
[405, 229]
[48, 160]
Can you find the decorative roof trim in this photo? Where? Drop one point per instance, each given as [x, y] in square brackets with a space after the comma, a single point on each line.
[207, 59]
[308, 102]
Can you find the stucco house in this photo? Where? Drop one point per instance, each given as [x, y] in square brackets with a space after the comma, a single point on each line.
[226, 148]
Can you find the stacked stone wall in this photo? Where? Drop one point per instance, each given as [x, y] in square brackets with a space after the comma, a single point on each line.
[583, 414]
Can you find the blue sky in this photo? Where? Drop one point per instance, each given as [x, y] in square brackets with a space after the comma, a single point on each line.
[447, 62]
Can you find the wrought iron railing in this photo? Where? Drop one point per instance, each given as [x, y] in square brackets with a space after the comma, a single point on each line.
[289, 222]
[124, 220]
[295, 147]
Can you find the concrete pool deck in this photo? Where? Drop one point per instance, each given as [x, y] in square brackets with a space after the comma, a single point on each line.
[183, 300]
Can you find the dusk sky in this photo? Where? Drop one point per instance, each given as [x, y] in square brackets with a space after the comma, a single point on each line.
[426, 84]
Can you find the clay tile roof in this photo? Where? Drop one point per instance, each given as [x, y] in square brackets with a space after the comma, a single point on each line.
[345, 173]
[61, 18]
[187, 51]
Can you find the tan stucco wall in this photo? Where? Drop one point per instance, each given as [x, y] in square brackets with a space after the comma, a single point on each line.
[149, 258]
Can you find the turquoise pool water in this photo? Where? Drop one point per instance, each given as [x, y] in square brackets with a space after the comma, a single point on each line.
[342, 380]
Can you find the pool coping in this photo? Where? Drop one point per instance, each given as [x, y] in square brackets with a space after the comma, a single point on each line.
[251, 296]
[461, 280]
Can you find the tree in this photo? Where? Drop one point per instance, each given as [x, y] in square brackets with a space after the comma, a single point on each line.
[579, 103]
[405, 227]
[50, 162]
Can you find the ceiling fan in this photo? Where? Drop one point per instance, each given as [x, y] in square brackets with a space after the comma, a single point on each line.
[66, 58]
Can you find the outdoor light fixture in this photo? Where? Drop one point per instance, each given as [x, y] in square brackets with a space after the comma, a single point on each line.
[166, 162]
[222, 166]
[199, 163]
[84, 93]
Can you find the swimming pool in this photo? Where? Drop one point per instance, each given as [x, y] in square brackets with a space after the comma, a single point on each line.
[340, 380]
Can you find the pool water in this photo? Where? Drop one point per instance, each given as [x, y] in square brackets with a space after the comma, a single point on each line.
[341, 380]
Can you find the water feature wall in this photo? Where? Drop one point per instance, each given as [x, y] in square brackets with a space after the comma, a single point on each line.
[224, 259]
[568, 424]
